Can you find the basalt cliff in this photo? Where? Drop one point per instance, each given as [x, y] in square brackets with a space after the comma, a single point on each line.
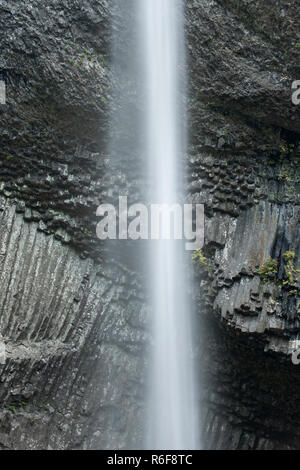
[73, 316]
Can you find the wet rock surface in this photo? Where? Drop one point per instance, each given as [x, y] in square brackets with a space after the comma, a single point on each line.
[73, 317]
[244, 166]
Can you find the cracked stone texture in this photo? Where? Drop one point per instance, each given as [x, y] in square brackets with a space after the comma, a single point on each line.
[73, 313]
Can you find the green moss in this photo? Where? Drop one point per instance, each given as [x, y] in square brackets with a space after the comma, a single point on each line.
[289, 255]
[269, 270]
[285, 175]
[44, 406]
[289, 268]
[20, 404]
[200, 258]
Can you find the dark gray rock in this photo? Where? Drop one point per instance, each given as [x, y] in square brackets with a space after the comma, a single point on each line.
[244, 161]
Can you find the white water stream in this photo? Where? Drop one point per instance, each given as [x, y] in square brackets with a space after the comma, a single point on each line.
[172, 417]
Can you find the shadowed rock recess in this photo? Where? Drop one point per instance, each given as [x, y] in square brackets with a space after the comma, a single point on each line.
[73, 312]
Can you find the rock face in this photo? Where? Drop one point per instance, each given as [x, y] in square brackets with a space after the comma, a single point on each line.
[71, 322]
[244, 161]
[73, 315]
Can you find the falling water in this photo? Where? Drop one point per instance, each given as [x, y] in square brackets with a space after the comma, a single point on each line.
[172, 415]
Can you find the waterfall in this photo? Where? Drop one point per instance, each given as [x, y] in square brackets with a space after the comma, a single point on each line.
[172, 415]
[147, 154]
